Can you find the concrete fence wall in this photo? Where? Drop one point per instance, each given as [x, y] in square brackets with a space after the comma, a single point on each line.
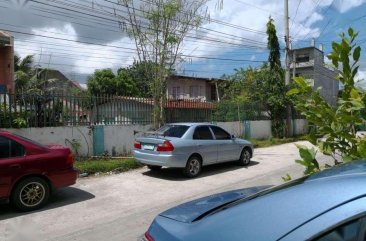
[118, 140]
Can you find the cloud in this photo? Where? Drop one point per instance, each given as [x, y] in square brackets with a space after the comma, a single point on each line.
[360, 78]
[344, 6]
[74, 57]
[243, 41]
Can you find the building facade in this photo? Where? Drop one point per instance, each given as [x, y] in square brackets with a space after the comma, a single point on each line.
[7, 78]
[309, 63]
[193, 88]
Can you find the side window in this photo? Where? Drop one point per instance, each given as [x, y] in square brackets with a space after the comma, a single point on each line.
[202, 133]
[10, 148]
[345, 232]
[220, 134]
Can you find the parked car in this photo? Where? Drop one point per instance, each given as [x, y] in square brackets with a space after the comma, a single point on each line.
[190, 146]
[29, 171]
[326, 206]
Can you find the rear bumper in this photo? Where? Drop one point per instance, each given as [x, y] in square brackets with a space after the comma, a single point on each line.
[159, 159]
[63, 178]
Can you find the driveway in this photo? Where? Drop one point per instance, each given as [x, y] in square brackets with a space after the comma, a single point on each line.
[121, 207]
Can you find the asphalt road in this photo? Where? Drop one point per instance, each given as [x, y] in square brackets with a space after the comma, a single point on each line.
[121, 207]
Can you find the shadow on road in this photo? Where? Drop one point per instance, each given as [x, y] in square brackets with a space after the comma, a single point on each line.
[175, 174]
[61, 197]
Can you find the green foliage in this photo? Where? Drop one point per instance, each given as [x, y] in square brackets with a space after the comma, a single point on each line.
[263, 85]
[337, 125]
[308, 159]
[109, 165]
[274, 57]
[102, 82]
[19, 122]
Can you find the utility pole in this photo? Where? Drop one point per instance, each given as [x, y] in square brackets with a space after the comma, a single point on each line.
[287, 65]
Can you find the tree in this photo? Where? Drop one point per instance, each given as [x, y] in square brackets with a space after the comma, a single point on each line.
[125, 84]
[274, 86]
[337, 125]
[23, 69]
[141, 73]
[102, 82]
[159, 28]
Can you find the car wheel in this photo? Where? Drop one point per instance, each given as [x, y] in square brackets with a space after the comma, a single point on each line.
[30, 194]
[193, 167]
[244, 157]
[154, 168]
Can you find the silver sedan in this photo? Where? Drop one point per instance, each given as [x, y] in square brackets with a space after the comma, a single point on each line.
[190, 146]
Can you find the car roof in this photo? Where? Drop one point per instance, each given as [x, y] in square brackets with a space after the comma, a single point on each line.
[190, 123]
[276, 212]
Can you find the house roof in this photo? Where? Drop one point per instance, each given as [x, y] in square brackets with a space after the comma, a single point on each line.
[192, 78]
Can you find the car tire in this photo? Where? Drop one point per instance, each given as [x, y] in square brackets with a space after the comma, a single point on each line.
[154, 168]
[245, 156]
[193, 167]
[30, 194]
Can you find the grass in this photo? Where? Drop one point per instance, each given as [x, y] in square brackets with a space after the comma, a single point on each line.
[275, 141]
[92, 166]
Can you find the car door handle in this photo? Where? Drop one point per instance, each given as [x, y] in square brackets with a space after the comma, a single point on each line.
[15, 166]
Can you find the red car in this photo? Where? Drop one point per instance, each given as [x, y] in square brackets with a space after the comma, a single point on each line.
[29, 171]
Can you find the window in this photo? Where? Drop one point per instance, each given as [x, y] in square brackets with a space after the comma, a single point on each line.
[10, 148]
[176, 92]
[173, 130]
[202, 133]
[346, 232]
[220, 134]
[193, 91]
[302, 58]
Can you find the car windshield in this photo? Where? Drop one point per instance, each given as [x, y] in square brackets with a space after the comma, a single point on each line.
[173, 130]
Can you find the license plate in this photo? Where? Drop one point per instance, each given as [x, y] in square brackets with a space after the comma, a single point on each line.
[148, 147]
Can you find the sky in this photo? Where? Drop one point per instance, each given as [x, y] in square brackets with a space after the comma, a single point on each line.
[79, 36]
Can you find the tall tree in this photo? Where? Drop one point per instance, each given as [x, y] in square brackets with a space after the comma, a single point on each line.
[159, 28]
[275, 84]
[274, 58]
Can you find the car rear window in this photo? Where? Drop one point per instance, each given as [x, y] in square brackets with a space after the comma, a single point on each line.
[173, 130]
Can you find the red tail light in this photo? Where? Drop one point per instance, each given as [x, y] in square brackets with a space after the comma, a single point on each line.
[166, 146]
[148, 237]
[137, 145]
[70, 159]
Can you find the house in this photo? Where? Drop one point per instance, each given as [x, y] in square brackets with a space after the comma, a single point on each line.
[7, 78]
[193, 88]
[56, 82]
[309, 63]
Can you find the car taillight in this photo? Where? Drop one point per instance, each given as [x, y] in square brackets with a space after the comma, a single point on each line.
[166, 146]
[137, 145]
[148, 237]
[70, 159]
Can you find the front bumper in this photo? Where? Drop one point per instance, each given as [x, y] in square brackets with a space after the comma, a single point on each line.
[160, 159]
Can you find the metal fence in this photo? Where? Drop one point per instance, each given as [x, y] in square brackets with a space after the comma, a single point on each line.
[78, 110]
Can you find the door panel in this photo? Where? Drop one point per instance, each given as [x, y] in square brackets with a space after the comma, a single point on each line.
[205, 145]
[228, 149]
[11, 161]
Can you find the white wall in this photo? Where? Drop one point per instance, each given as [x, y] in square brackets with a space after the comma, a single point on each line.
[260, 129]
[118, 140]
[235, 127]
[61, 136]
[301, 127]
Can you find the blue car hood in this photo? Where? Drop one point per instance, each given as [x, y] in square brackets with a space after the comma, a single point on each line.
[190, 211]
